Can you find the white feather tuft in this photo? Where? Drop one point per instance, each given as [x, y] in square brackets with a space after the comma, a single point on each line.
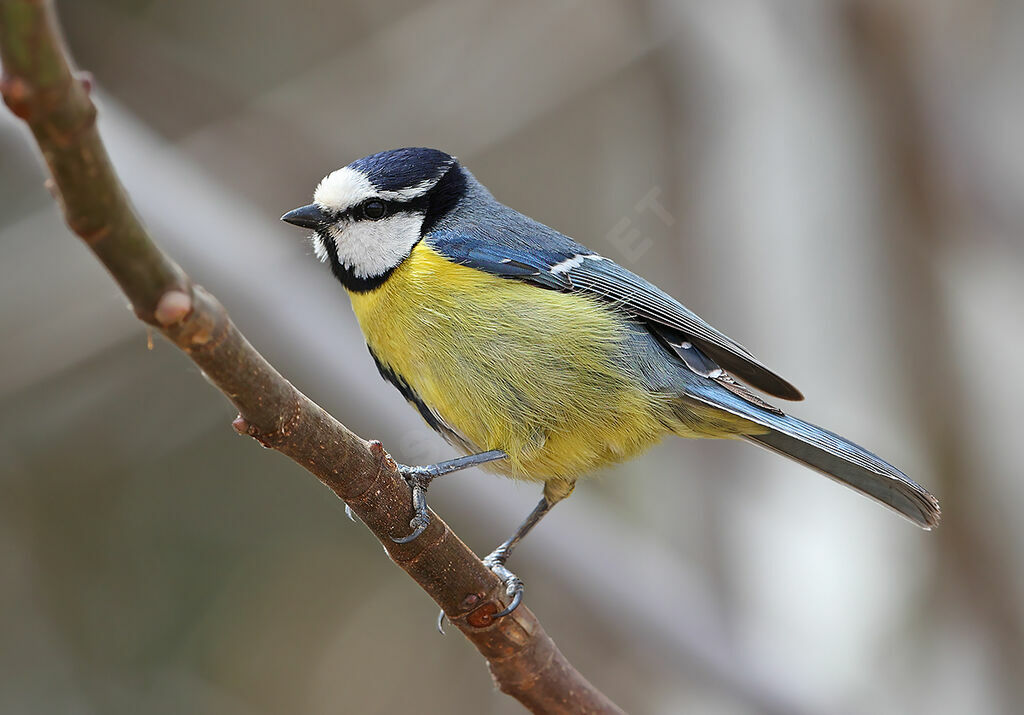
[319, 248]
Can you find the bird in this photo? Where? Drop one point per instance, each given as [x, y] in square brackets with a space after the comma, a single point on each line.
[537, 358]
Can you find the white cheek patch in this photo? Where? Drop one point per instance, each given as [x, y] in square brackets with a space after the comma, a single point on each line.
[372, 248]
[347, 187]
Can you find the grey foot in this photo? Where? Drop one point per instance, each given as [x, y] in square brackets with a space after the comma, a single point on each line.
[419, 478]
[495, 561]
[514, 586]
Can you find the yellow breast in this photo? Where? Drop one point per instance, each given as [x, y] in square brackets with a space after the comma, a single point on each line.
[510, 366]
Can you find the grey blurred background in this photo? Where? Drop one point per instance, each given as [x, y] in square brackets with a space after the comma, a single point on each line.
[837, 184]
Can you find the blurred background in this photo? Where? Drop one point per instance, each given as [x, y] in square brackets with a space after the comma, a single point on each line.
[837, 184]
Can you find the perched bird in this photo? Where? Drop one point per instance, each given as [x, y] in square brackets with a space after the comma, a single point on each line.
[537, 357]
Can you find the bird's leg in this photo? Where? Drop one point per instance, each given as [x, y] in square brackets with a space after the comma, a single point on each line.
[554, 492]
[419, 478]
[495, 560]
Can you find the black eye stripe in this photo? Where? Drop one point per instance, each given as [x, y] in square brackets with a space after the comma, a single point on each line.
[433, 205]
[355, 213]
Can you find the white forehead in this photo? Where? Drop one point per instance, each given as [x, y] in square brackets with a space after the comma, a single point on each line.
[347, 187]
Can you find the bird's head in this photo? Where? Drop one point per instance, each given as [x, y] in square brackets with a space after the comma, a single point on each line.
[367, 217]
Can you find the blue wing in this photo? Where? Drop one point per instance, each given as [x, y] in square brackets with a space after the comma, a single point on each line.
[511, 245]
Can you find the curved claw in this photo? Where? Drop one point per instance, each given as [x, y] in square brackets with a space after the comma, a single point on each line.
[419, 478]
[419, 526]
[517, 598]
[495, 561]
[440, 622]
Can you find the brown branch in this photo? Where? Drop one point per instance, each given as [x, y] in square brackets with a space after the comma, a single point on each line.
[39, 87]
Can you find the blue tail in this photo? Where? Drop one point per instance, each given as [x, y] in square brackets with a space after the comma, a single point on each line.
[829, 454]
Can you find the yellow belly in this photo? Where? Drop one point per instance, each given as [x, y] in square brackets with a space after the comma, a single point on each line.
[509, 366]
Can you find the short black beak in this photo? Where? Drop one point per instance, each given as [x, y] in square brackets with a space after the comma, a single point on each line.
[306, 217]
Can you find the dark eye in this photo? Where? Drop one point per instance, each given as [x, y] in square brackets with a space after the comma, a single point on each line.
[374, 209]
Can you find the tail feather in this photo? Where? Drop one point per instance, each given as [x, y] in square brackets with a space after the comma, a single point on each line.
[854, 466]
[835, 457]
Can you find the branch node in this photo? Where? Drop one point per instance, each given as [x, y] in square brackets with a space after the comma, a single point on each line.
[173, 307]
[87, 80]
[91, 236]
[386, 460]
[244, 426]
[17, 94]
[483, 616]
[241, 425]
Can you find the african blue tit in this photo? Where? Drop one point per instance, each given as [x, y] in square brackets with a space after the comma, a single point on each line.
[536, 357]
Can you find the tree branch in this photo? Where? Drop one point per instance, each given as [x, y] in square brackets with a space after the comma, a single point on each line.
[39, 87]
